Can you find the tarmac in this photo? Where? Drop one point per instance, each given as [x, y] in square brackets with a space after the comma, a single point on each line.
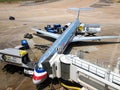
[104, 53]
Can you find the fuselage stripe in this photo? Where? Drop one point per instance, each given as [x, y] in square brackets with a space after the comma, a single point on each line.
[39, 77]
[39, 70]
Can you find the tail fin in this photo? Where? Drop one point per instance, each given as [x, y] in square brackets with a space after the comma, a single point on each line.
[80, 9]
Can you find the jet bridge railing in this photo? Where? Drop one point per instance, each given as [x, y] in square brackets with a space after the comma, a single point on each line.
[115, 78]
[94, 69]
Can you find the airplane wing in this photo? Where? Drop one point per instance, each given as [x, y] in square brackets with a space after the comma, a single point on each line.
[83, 38]
[52, 35]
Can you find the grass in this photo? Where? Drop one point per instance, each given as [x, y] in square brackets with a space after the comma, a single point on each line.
[9, 1]
[118, 1]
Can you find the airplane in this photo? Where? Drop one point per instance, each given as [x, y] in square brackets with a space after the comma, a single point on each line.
[42, 69]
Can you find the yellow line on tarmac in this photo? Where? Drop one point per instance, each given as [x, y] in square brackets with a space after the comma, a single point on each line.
[70, 87]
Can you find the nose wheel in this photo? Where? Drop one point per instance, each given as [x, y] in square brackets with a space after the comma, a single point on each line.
[51, 86]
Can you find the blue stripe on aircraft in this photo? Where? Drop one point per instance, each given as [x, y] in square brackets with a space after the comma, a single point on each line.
[39, 70]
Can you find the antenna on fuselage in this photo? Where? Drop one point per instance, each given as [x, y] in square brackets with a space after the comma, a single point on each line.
[80, 9]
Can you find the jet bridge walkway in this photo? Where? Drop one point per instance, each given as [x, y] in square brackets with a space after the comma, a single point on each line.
[71, 67]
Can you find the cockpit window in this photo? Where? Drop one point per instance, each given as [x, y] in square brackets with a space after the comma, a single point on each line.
[38, 67]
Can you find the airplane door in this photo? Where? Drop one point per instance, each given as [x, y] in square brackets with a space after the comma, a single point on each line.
[59, 50]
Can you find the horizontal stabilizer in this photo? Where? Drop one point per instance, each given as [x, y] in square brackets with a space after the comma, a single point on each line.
[80, 9]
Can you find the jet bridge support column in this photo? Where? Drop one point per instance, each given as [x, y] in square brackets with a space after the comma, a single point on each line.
[65, 70]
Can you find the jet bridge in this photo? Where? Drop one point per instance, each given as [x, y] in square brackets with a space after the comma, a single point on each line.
[19, 58]
[93, 77]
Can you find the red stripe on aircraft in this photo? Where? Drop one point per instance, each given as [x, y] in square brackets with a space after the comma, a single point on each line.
[39, 77]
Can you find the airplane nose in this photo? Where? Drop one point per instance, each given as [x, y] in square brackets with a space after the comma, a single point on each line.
[39, 77]
[35, 79]
[36, 82]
